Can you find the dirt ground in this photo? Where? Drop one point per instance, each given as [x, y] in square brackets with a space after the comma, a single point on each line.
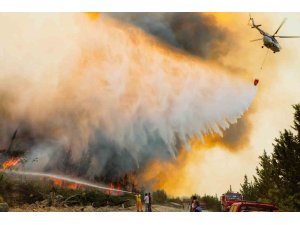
[42, 208]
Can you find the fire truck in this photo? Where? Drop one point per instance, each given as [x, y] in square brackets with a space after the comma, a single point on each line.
[227, 199]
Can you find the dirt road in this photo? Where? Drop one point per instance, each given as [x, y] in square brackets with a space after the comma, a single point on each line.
[41, 208]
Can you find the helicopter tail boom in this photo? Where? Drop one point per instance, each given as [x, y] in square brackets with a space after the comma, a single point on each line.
[256, 26]
[253, 25]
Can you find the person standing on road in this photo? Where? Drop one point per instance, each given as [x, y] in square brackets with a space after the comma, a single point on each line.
[146, 199]
[150, 202]
[193, 204]
[139, 207]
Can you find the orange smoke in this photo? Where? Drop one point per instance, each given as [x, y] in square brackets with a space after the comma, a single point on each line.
[10, 163]
[93, 15]
[224, 18]
[177, 177]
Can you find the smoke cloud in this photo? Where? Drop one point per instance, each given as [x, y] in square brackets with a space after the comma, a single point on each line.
[195, 33]
[99, 97]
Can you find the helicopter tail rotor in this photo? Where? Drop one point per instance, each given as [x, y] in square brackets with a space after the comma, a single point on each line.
[250, 20]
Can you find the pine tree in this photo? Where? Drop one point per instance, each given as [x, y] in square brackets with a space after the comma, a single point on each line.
[248, 190]
[264, 181]
[296, 126]
[286, 162]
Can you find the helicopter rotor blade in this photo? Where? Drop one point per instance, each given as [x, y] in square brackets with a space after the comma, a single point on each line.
[283, 21]
[249, 21]
[287, 36]
[258, 39]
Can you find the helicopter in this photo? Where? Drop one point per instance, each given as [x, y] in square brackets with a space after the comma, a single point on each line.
[269, 41]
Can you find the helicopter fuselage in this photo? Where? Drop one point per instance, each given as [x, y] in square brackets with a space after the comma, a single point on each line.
[271, 43]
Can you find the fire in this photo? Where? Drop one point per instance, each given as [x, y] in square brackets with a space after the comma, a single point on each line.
[10, 163]
[60, 183]
[73, 186]
[109, 192]
[57, 182]
[119, 189]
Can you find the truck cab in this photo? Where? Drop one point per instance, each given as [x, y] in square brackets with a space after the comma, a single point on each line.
[228, 199]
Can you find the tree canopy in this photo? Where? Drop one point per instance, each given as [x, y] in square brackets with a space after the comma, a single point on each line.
[277, 178]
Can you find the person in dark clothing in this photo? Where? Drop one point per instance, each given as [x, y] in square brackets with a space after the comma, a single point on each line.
[150, 202]
[193, 204]
[198, 208]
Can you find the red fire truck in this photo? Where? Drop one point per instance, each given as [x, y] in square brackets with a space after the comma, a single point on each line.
[250, 206]
[228, 199]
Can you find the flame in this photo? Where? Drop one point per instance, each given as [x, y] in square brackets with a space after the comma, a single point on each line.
[109, 192]
[119, 189]
[57, 182]
[10, 163]
[73, 186]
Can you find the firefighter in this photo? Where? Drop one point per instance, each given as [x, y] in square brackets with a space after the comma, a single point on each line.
[139, 207]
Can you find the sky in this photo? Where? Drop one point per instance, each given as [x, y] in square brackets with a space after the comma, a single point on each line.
[123, 92]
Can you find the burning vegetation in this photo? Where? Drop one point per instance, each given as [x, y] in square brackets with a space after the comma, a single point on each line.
[11, 163]
[19, 191]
